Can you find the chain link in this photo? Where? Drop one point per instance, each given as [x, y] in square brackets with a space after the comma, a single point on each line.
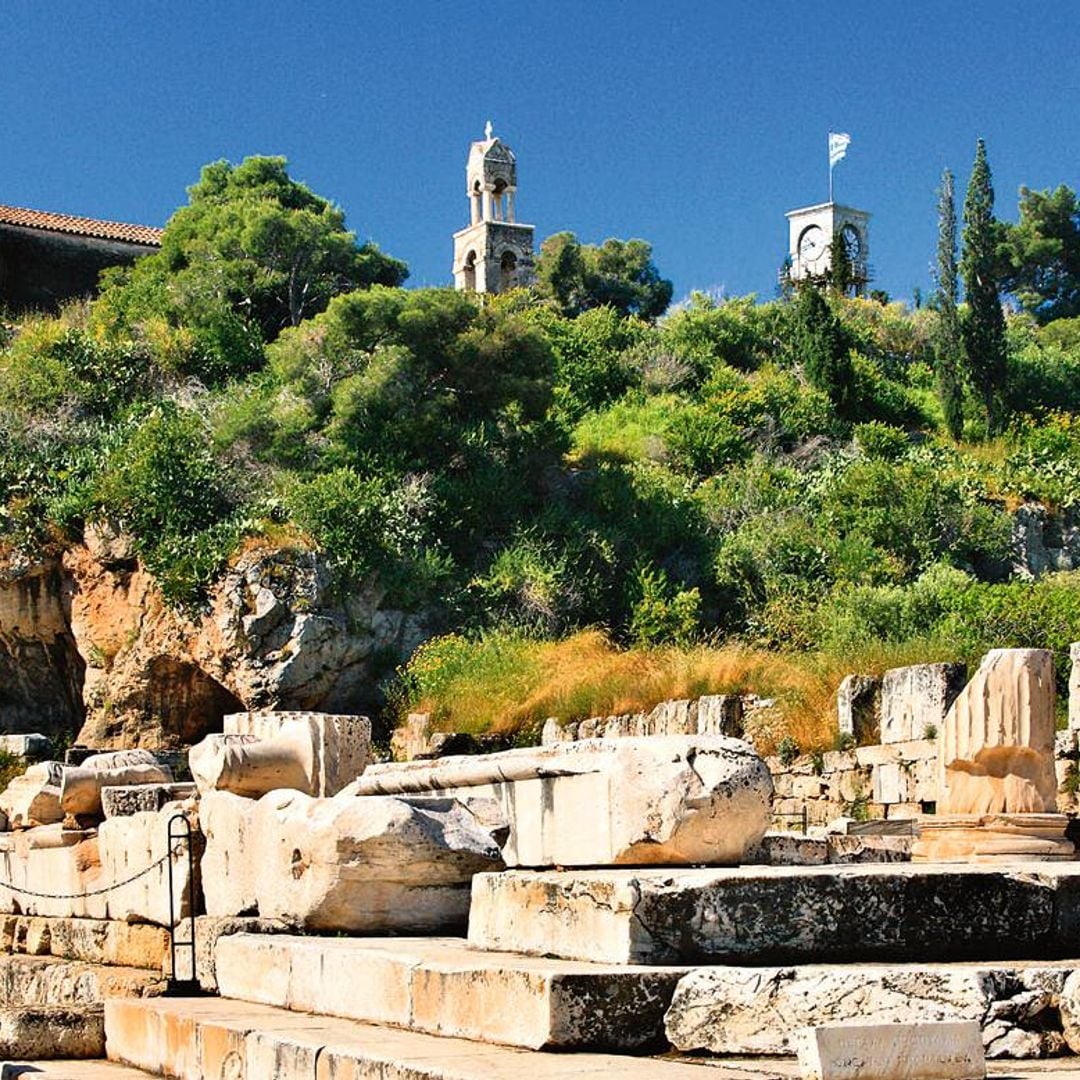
[95, 892]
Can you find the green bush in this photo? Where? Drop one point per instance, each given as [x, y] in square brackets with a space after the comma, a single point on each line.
[662, 614]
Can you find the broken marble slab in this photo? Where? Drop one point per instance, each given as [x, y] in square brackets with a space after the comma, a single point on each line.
[34, 797]
[780, 914]
[80, 785]
[757, 1010]
[996, 747]
[315, 753]
[341, 743]
[946, 1050]
[367, 865]
[140, 798]
[673, 800]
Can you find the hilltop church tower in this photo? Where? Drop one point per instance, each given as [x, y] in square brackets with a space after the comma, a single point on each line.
[493, 253]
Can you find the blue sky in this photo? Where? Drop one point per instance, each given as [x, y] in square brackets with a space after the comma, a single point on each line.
[692, 125]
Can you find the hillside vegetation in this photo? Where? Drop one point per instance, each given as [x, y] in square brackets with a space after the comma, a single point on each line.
[752, 495]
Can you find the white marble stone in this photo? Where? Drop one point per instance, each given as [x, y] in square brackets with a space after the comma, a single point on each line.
[673, 800]
[946, 1050]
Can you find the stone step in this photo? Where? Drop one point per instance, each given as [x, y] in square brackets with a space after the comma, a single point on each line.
[52, 1031]
[196, 1038]
[97, 941]
[45, 980]
[1025, 1010]
[442, 987]
[781, 914]
[69, 1070]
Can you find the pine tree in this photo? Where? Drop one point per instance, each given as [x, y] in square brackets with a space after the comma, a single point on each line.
[984, 326]
[950, 344]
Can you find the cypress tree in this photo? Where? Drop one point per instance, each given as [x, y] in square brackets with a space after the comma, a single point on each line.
[984, 327]
[824, 349]
[949, 353]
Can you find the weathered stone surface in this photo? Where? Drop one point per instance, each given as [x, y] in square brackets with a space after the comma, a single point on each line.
[713, 714]
[46, 980]
[742, 1010]
[52, 1031]
[996, 751]
[993, 837]
[780, 914]
[439, 986]
[947, 1050]
[80, 786]
[915, 699]
[276, 634]
[40, 669]
[34, 798]
[412, 739]
[32, 746]
[1069, 1006]
[94, 941]
[364, 865]
[657, 801]
[228, 865]
[789, 849]
[857, 707]
[196, 1038]
[75, 869]
[143, 798]
[315, 753]
[208, 929]
[341, 743]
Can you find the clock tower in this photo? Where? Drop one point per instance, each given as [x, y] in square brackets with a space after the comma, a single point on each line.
[812, 232]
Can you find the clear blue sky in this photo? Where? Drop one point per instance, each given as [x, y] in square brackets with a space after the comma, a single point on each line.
[692, 125]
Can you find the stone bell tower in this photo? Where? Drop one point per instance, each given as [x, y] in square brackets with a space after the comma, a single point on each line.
[493, 253]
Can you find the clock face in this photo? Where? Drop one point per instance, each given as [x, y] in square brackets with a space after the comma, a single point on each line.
[810, 243]
[849, 237]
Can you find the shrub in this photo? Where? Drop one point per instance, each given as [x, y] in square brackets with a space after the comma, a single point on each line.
[661, 613]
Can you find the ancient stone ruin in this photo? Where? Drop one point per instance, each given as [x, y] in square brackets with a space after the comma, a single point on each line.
[628, 888]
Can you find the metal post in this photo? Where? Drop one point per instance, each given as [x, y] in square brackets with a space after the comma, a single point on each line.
[181, 835]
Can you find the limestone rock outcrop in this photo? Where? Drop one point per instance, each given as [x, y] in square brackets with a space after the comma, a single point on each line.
[674, 800]
[41, 668]
[87, 641]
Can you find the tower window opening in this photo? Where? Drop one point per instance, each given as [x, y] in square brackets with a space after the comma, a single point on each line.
[507, 271]
[470, 271]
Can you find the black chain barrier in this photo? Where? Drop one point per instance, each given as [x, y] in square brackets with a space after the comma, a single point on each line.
[95, 892]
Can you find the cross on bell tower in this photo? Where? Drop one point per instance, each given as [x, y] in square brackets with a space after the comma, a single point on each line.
[494, 252]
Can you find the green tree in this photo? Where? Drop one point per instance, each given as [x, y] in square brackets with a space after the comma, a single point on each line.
[984, 326]
[254, 251]
[618, 273]
[949, 351]
[823, 348]
[1041, 254]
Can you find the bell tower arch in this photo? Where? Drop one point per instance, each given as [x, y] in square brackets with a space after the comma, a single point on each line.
[494, 252]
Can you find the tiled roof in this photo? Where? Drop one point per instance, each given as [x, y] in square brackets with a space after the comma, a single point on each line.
[80, 226]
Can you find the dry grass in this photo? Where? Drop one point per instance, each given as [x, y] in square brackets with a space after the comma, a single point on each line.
[511, 685]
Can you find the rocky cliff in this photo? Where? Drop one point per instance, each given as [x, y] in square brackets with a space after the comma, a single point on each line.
[88, 645]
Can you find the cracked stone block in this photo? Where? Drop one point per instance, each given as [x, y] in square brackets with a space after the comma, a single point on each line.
[675, 800]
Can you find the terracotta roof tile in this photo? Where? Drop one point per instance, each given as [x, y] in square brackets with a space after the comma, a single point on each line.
[80, 226]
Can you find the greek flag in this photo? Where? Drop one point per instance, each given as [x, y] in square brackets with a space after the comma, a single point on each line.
[838, 144]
